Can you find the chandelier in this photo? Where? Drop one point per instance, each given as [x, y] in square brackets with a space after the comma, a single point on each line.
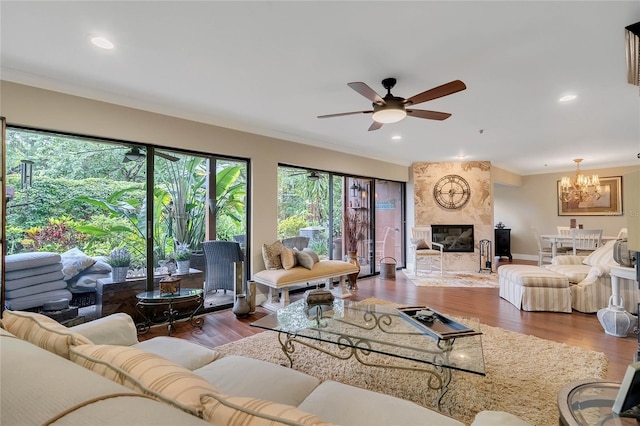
[581, 188]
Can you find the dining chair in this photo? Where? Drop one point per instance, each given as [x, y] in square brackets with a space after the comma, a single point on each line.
[425, 250]
[544, 252]
[622, 233]
[565, 231]
[586, 241]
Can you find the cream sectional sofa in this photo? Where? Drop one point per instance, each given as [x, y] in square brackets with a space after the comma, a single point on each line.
[128, 382]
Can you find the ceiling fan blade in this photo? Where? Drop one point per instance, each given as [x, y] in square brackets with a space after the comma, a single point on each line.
[437, 92]
[431, 115]
[375, 126]
[345, 113]
[367, 92]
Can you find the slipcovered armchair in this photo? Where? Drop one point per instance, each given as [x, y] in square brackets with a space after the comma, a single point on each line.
[425, 250]
[220, 257]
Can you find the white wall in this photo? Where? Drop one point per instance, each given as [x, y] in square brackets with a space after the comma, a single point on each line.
[534, 204]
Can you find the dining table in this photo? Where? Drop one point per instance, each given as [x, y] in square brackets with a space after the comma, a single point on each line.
[556, 239]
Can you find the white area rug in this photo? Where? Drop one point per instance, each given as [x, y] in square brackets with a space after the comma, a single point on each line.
[524, 373]
[453, 279]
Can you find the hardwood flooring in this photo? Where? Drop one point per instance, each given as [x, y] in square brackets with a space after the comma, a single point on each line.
[576, 329]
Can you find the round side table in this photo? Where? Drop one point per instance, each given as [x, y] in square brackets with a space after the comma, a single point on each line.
[588, 402]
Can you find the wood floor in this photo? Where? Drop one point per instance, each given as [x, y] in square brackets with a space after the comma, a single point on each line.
[574, 329]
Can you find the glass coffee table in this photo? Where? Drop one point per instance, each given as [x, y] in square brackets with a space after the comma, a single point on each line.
[154, 299]
[346, 329]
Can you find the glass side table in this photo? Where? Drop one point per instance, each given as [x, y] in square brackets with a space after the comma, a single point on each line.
[589, 402]
[154, 299]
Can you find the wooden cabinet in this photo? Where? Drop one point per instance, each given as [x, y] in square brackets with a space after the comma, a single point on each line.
[503, 243]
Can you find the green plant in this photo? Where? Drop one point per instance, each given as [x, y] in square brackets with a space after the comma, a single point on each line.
[290, 227]
[119, 257]
[183, 252]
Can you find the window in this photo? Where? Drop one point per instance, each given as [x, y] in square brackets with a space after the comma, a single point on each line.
[83, 198]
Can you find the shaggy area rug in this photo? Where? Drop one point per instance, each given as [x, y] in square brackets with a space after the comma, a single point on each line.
[524, 373]
[453, 279]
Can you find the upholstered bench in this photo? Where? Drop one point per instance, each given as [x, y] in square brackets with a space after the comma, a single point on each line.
[532, 288]
[325, 270]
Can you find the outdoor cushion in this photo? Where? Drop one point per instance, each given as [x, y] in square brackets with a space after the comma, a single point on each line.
[74, 262]
[15, 262]
[35, 289]
[35, 300]
[38, 270]
[34, 280]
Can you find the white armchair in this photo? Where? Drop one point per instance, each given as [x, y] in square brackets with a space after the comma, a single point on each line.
[425, 251]
[590, 280]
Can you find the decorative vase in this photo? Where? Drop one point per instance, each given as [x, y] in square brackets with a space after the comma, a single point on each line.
[353, 259]
[241, 307]
[119, 274]
[183, 266]
[615, 320]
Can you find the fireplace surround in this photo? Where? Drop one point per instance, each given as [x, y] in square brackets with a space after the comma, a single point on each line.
[454, 238]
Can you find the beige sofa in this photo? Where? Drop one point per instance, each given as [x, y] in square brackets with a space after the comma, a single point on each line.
[40, 386]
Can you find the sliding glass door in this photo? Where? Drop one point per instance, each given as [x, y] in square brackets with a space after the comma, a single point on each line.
[342, 214]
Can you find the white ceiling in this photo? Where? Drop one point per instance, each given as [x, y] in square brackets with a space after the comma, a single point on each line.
[271, 67]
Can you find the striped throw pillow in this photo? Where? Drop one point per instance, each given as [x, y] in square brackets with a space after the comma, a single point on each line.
[42, 331]
[145, 372]
[220, 409]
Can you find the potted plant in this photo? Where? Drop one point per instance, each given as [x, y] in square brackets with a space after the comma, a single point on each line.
[183, 257]
[120, 260]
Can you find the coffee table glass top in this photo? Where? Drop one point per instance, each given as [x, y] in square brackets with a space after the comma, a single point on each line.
[155, 295]
[377, 328]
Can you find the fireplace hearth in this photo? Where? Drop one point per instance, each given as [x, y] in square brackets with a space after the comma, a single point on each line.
[454, 238]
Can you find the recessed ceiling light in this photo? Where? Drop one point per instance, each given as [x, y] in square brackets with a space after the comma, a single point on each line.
[101, 42]
[567, 98]
[396, 137]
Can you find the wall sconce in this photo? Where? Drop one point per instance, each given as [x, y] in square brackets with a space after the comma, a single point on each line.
[354, 190]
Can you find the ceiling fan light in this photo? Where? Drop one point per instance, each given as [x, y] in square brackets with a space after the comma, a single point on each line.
[389, 115]
[133, 155]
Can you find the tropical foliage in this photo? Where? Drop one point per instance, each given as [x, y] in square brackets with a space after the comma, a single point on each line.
[95, 201]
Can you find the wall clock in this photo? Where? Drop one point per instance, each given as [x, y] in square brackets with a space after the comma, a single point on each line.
[452, 192]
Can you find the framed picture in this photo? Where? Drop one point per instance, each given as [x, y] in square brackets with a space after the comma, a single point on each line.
[628, 396]
[609, 203]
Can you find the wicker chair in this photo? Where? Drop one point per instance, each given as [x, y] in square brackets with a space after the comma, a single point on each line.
[220, 257]
[296, 242]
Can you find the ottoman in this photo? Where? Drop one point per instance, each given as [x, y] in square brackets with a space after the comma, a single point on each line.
[532, 288]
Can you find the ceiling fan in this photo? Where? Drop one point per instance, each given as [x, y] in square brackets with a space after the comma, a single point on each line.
[134, 154]
[311, 174]
[391, 109]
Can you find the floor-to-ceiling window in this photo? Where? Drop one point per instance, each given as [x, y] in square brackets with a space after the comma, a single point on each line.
[341, 214]
[85, 199]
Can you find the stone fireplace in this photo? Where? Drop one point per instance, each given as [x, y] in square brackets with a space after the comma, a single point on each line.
[454, 238]
[477, 213]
